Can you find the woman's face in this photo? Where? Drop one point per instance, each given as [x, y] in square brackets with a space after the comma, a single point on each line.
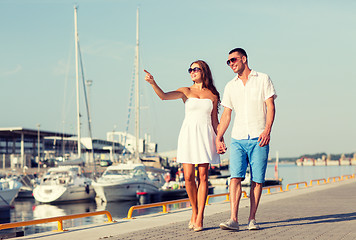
[195, 72]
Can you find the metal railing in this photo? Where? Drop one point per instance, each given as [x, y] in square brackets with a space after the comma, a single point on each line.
[333, 178]
[273, 187]
[347, 176]
[159, 204]
[317, 181]
[56, 219]
[296, 185]
[223, 194]
[164, 204]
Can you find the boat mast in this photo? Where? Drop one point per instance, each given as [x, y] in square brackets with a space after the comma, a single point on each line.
[137, 118]
[77, 77]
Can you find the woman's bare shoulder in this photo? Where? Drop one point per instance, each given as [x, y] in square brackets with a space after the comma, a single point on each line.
[183, 89]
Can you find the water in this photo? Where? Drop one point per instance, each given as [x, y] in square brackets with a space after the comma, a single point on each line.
[28, 209]
[291, 173]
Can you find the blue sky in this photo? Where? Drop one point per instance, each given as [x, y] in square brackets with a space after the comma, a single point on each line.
[307, 47]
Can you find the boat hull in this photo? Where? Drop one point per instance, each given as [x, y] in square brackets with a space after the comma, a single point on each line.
[57, 193]
[122, 191]
[8, 192]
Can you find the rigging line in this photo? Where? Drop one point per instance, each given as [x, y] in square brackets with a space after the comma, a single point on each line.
[148, 125]
[86, 103]
[129, 108]
[84, 89]
[65, 106]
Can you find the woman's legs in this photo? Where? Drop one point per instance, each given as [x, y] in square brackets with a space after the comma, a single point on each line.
[191, 188]
[202, 193]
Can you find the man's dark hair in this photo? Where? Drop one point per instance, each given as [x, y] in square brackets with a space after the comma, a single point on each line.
[240, 51]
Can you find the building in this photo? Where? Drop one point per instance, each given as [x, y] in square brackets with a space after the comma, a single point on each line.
[129, 141]
[20, 147]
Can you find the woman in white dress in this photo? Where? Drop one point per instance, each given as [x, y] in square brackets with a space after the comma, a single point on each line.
[196, 142]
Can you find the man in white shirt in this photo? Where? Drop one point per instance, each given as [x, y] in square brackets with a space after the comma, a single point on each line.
[251, 95]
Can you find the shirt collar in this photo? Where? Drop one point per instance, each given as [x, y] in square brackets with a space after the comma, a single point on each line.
[252, 73]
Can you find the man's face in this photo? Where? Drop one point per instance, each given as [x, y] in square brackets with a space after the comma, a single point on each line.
[236, 62]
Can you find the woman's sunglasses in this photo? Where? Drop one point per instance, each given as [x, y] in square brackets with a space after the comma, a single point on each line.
[231, 60]
[196, 69]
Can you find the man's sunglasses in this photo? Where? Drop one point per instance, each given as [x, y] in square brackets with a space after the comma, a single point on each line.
[231, 60]
[196, 69]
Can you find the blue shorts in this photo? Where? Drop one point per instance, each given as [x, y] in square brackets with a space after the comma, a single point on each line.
[247, 151]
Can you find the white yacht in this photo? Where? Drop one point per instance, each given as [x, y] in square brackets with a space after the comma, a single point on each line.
[121, 182]
[9, 188]
[62, 184]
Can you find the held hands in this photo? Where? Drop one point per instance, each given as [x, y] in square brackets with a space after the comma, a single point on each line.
[220, 146]
[149, 78]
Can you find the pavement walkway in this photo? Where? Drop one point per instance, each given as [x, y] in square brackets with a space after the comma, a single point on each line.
[326, 211]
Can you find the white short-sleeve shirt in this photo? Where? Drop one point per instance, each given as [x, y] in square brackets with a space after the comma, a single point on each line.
[248, 102]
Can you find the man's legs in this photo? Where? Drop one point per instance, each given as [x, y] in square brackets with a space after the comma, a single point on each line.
[235, 195]
[255, 196]
[258, 162]
[238, 165]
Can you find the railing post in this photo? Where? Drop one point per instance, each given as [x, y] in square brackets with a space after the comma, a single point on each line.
[245, 194]
[60, 226]
[108, 215]
[129, 214]
[164, 208]
[207, 200]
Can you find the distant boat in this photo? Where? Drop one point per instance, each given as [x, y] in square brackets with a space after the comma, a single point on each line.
[121, 182]
[175, 190]
[64, 184]
[224, 180]
[9, 188]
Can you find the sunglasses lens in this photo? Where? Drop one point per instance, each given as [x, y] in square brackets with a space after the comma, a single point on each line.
[196, 69]
[232, 60]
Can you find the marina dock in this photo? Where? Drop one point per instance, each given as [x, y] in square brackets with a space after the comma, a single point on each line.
[325, 211]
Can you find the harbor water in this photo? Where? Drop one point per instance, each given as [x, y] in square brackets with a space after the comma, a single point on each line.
[28, 209]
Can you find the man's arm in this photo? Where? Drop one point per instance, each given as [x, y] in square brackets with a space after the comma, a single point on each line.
[271, 111]
[224, 124]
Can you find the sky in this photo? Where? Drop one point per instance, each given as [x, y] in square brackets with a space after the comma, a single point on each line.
[308, 48]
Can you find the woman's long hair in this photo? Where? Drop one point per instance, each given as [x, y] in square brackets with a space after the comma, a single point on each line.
[207, 78]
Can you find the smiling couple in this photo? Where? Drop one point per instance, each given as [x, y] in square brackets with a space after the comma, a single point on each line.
[251, 95]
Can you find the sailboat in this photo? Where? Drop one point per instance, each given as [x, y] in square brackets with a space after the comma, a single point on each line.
[9, 188]
[123, 181]
[67, 183]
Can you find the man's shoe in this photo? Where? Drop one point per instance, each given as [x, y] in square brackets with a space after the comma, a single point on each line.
[230, 225]
[252, 225]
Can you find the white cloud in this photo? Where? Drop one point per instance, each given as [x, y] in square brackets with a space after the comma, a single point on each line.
[10, 72]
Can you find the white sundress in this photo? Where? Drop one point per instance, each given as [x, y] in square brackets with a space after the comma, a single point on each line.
[196, 141]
